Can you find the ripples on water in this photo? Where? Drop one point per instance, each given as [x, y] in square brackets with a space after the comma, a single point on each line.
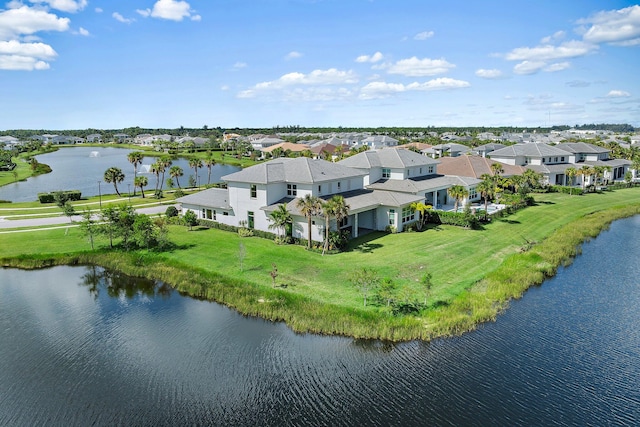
[74, 351]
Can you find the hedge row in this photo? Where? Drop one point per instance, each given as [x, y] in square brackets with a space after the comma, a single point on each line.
[213, 224]
[72, 195]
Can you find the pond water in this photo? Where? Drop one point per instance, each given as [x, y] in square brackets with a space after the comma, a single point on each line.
[84, 346]
[80, 168]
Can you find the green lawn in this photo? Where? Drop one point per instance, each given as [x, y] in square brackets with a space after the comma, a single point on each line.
[458, 259]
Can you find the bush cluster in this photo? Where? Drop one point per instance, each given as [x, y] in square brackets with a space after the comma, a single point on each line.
[71, 195]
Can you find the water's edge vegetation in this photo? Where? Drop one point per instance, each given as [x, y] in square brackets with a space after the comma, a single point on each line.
[482, 302]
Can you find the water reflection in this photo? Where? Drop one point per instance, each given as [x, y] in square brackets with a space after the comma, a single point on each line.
[119, 285]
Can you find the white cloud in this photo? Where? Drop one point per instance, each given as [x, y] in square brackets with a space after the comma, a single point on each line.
[71, 6]
[289, 85]
[118, 17]
[620, 26]
[558, 35]
[239, 65]
[414, 67]
[15, 55]
[25, 20]
[83, 32]
[22, 63]
[423, 35]
[376, 90]
[293, 55]
[224, 87]
[173, 10]
[547, 52]
[618, 94]
[99, 10]
[529, 67]
[489, 74]
[558, 66]
[376, 57]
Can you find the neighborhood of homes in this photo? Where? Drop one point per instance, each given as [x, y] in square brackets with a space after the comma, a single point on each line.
[379, 185]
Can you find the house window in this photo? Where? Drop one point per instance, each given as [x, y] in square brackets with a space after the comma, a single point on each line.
[203, 216]
[254, 191]
[473, 193]
[430, 169]
[214, 215]
[407, 215]
[386, 173]
[319, 189]
[343, 222]
[339, 186]
[250, 219]
[209, 214]
[292, 190]
[392, 217]
[556, 160]
[225, 213]
[562, 159]
[420, 171]
[408, 172]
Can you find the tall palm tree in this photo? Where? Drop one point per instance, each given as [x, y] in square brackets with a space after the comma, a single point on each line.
[176, 172]
[487, 189]
[280, 219]
[458, 192]
[422, 209]
[310, 206]
[135, 158]
[140, 181]
[532, 178]
[165, 162]
[209, 162]
[334, 207]
[156, 168]
[585, 171]
[496, 169]
[195, 164]
[115, 176]
[571, 174]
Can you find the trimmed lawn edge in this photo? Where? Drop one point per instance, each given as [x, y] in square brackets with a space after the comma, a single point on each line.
[481, 303]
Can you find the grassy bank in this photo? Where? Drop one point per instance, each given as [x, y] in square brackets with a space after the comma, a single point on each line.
[475, 272]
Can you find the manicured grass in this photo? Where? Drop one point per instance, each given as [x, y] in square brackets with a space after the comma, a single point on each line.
[474, 272]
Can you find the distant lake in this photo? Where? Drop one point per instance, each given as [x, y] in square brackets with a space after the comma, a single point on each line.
[83, 346]
[80, 168]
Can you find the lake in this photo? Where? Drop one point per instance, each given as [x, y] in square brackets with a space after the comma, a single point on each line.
[85, 346]
[80, 168]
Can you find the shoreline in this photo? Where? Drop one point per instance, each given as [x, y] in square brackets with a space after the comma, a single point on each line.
[483, 301]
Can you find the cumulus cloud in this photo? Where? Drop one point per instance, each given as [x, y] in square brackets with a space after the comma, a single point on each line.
[415, 67]
[489, 74]
[618, 94]
[18, 47]
[71, 6]
[118, 17]
[99, 10]
[173, 10]
[83, 32]
[376, 57]
[375, 90]
[25, 20]
[423, 35]
[239, 65]
[569, 49]
[558, 66]
[558, 35]
[620, 26]
[292, 55]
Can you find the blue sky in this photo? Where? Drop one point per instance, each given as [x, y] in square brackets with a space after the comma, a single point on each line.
[110, 64]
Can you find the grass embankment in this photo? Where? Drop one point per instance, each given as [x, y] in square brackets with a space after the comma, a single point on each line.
[475, 272]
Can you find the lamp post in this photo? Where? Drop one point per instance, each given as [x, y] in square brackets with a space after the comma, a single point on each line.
[100, 194]
[129, 192]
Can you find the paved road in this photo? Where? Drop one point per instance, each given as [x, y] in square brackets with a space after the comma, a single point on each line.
[56, 221]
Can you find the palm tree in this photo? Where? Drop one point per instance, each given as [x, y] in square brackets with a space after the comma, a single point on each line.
[422, 209]
[585, 171]
[115, 176]
[487, 189]
[309, 206]
[280, 219]
[571, 174]
[176, 172]
[156, 168]
[140, 181]
[209, 162]
[195, 164]
[496, 169]
[458, 192]
[532, 178]
[334, 207]
[135, 158]
[165, 162]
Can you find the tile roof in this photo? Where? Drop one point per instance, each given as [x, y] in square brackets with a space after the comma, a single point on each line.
[531, 149]
[298, 170]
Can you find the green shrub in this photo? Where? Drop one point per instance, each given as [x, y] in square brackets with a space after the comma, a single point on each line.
[459, 219]
[171, 212]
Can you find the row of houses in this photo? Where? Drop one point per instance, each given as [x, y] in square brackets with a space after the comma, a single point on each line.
[379, 186]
